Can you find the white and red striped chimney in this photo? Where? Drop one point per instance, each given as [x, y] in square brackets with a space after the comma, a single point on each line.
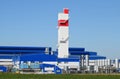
[63, 33]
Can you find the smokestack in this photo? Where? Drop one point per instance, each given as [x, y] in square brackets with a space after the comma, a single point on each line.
[63, 33]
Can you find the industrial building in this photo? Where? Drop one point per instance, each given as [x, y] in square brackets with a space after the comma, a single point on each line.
[65, 59]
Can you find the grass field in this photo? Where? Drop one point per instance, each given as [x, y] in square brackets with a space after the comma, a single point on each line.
[53, 76]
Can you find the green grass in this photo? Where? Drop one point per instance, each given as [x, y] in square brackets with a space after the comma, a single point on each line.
[53, 76]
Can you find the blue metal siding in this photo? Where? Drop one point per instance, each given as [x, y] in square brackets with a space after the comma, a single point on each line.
[19, 51]
[4, 69]
[92, 53]
[76, 49]
[57, 70]
[68, 59]
[38, 54]
[91, 57]
[22, 48]
[45, 57]
[78, 53]
[96, 57]
[6, 57]
[38, 57]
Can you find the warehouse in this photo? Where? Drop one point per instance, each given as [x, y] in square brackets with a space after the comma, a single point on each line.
[23, 57]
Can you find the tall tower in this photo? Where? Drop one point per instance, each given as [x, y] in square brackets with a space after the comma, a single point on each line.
[63, 33]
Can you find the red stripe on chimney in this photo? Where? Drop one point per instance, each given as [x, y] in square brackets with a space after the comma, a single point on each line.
[64, 23]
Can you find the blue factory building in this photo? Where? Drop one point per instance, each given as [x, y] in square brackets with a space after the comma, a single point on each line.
[21, 55]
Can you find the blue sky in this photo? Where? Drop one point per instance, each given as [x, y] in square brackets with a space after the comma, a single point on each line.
[94, 24]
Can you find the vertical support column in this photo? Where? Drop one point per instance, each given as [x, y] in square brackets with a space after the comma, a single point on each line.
[109, 65]
[109, 62]
[82, 61]
[100, 63]
[103, 61]
[87, 60]
[116, 63]
[96, 66]
[106, 64]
